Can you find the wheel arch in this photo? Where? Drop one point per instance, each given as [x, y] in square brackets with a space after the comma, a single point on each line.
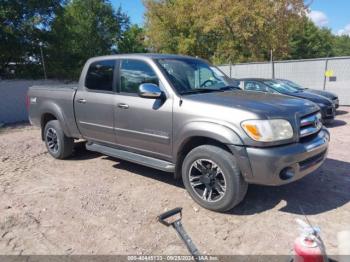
[45, 118]
[198, 133]
[193, 142]
[52, 112]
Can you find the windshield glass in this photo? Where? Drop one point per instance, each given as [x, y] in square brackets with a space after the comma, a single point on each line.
[281, 87]
[193, 75]
[292, 84]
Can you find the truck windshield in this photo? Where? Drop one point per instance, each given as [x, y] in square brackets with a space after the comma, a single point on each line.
[190, 76]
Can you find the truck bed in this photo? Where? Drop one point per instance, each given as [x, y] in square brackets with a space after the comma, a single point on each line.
[58, 99]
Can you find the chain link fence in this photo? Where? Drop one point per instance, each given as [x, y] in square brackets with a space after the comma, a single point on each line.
[307, 72]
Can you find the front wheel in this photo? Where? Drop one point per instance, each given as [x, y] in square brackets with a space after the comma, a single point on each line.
[57, 143]
[213, 179]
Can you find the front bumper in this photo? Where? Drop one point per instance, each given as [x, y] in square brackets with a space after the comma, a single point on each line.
[265, 165]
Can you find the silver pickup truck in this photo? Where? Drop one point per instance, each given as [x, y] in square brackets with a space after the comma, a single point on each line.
[180, 114]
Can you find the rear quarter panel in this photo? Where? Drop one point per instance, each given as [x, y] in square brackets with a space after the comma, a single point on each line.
[55, 100]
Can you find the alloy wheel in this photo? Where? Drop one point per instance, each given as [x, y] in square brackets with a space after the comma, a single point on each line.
[52, 140]
[207, 180]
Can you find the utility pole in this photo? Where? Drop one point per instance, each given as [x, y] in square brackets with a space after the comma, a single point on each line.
[325, 76]
[42, 59]
[272, 64]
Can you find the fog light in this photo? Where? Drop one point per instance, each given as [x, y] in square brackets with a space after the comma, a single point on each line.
[287, 173]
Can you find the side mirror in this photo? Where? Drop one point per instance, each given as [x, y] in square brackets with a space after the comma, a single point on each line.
[149, 90]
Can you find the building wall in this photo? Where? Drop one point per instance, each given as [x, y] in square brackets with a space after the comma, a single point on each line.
[13, 99]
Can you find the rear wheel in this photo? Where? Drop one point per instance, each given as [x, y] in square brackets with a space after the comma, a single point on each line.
[57, 143]
[213, 179]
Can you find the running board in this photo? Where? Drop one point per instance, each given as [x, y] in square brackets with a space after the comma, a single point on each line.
[132, 157]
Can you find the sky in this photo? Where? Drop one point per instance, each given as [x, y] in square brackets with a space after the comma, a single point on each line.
[334, 14]
[134, 8]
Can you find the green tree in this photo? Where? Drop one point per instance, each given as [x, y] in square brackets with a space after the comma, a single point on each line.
[23, 24]
[132, 41]
[222, 31]
[309, 41]
[84, 28]
[341, 45]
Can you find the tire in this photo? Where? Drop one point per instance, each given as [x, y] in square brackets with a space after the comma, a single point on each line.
[223, 166]
[63, 147]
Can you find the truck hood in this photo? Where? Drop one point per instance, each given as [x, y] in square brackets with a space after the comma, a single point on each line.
[263, 104]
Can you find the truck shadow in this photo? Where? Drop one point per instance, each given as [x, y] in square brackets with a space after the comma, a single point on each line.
[341, 112]
[336, 123]
[151, 173]
[80, 152]
[323, 190]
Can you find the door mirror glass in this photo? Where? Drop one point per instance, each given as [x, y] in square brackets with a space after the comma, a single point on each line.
[149, 90]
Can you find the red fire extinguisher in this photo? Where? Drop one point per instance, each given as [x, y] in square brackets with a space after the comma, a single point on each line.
[309, 247]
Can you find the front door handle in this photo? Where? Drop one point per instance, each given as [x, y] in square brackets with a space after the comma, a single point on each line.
[123, 106]
[81, 101]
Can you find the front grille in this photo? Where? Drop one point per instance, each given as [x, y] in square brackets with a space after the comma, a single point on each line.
[310, 124]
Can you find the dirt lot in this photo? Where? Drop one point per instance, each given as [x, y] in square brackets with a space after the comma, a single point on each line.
[93, 204]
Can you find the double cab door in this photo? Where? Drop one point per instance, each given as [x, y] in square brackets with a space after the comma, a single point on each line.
[110, 111]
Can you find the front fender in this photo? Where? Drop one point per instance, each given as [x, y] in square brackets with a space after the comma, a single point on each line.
[210, 130]
[218, 132]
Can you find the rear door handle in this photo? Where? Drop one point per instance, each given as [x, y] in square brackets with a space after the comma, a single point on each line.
[124, 106]
[81, 101]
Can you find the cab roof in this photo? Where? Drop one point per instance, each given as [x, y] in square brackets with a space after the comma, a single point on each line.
[143, 55]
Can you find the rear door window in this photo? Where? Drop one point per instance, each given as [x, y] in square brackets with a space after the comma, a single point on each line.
[100, 75]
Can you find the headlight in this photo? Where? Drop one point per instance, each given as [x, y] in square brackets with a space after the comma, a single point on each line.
[268, 130]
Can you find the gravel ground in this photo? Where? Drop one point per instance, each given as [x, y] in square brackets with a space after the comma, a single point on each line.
[94, 204]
